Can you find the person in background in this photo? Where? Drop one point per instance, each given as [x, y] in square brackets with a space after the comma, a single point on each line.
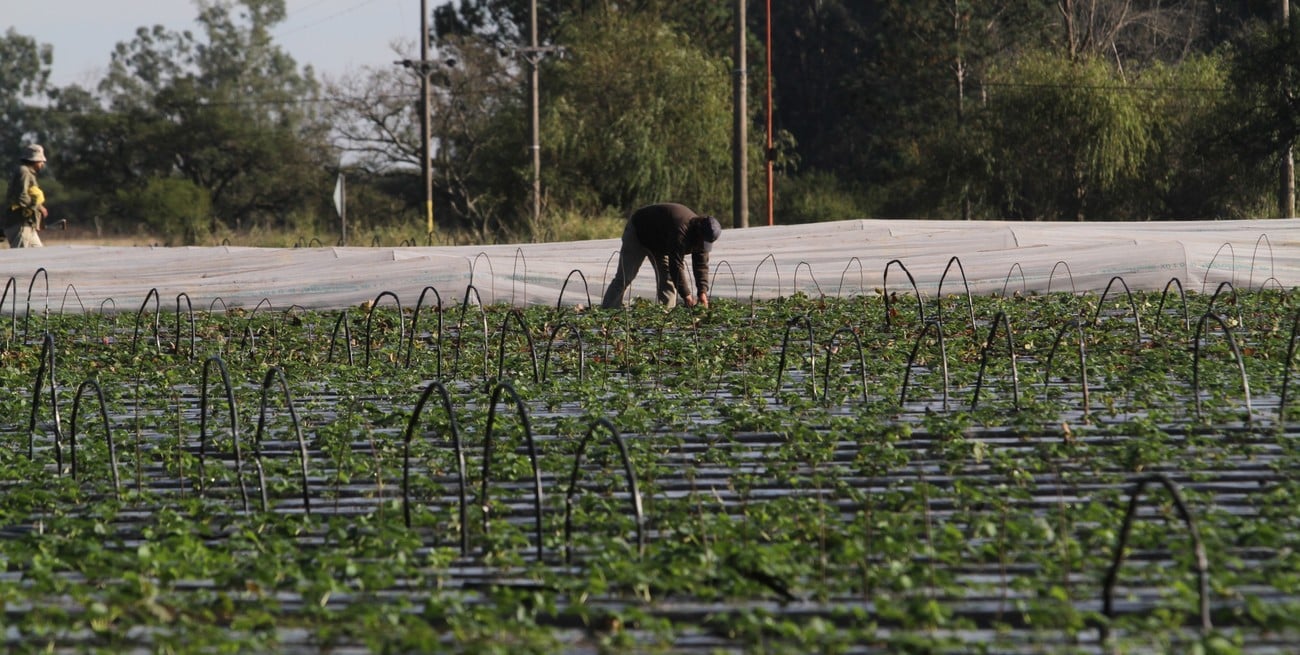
[25, 210]
[666, 233]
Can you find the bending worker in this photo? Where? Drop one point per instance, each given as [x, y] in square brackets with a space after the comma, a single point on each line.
[25, 202]
[666, 233]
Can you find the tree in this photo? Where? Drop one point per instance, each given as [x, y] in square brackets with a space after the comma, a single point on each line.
[479, 123]
[572, 170]
[226, 113]
[637, 114]
[503, 24]
[1195, 168]
[927, 80]
[375, 124]
[1060, 134]
[473, 105]
[175, 209]
[1266, 94]
[825, 91]
[1136, 32]
[24, 76]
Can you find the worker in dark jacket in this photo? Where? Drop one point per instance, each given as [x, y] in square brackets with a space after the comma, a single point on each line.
[666, 233]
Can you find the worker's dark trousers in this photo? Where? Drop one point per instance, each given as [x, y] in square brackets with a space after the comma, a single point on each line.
[629, 263]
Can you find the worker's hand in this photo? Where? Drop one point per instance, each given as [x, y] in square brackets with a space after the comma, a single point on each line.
[690, 301]
[45, 212]
[704, 299]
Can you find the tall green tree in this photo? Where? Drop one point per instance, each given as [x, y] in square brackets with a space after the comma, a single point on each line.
[1194, 169]
[881, 93]
[824, 88]
[926, 81]
[638, 114]
[229, 112]
[1061, 134]
[637, 111]
[1266, 95]
[874, 91]
[24, 78]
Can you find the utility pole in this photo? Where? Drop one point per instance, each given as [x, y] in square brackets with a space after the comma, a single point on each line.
[1286, 190]
[959, 67]
[739, 142]
[426, 162]
[425, 68]
[534, 54]
[343, 209]
[769, 154]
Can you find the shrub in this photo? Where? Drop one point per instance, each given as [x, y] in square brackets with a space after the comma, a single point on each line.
[816, 197]
[176, 210]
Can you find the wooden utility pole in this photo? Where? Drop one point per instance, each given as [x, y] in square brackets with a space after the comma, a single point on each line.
[739, 142]
[533, 53]
[535, 124]
[959, 68]
[426, 127]
[1286, 185]
[425, 68]
[769, 154]
[341, 204]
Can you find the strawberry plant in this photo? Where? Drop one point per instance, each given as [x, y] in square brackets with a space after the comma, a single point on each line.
[874, 473]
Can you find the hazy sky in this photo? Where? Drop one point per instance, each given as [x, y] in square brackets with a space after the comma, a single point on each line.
[333, 36]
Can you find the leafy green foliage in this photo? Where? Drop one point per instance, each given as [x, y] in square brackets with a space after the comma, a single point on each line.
[776, 519]
[814, 197]
[1089, 135]
[638, 114]
[24, 75]
[223, 114]
[1263, 114]
[176, 209]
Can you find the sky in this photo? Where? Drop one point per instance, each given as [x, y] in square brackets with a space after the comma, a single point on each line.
[333, 36]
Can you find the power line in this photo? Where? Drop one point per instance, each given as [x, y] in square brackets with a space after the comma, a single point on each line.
[330, 99]
[313, 5]
[326, 18]
[1102, 87]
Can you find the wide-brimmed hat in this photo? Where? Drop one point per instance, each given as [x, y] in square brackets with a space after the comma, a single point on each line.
[709, 230]
[34, 152]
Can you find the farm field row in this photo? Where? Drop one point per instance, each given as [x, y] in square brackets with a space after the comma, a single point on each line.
[876, 474]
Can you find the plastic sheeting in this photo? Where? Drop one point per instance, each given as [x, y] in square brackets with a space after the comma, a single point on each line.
[838, 258]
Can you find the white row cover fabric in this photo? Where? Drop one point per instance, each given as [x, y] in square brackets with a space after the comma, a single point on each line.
[839, 258]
